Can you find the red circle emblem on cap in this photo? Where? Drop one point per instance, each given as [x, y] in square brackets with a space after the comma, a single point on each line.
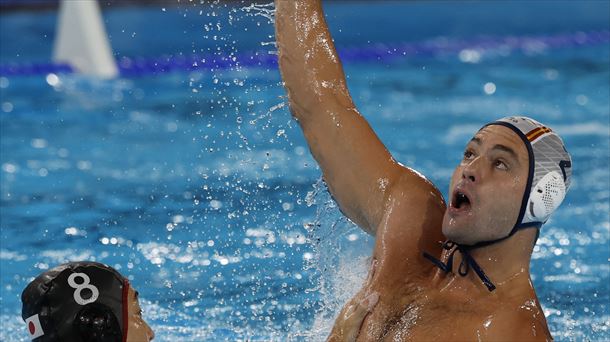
[32, 328]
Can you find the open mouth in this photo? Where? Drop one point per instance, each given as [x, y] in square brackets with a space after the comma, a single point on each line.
[460, 200]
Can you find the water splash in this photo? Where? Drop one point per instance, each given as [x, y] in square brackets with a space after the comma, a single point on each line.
[261, 10]
[340, 260]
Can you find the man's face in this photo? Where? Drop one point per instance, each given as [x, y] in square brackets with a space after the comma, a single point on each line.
[487, 187]
[138, 330]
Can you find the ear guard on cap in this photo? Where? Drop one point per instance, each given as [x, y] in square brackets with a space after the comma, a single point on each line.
[97, 322]
[545, 197]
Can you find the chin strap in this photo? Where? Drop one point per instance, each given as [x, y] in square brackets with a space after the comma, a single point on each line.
[467, 259]
[467, 262]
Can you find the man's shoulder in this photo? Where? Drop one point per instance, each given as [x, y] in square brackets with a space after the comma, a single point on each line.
[412, 181]
[411, 224]
[415, 203]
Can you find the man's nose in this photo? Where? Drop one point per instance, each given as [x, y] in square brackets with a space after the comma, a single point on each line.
[471, 171]
[151, 333]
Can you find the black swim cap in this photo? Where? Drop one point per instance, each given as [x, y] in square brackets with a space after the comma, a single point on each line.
[77, 301]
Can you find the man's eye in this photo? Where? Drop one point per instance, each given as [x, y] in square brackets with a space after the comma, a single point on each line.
[468, 154]
[500, 165]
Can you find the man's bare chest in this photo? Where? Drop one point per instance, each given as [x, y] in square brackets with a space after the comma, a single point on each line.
[431, 326]
[422, 317]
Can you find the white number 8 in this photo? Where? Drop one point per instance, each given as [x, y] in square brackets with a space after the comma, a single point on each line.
[84, 285]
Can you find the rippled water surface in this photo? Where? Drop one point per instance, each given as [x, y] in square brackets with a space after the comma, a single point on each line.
[200, 187]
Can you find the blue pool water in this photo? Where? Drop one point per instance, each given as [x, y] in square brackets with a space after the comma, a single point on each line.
[200, 187]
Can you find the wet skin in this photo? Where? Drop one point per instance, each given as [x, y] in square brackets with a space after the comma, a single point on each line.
[419, 303]
[407, 214]
[138, 330]
[492, 175]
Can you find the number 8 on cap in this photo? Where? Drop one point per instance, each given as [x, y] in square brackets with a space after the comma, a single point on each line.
[84, 285]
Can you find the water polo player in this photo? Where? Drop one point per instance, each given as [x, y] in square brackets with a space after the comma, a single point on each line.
[83, 301]
[476, 285]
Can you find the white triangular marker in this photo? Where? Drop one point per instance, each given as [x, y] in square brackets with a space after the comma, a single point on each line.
[81, 39]
[34, 326]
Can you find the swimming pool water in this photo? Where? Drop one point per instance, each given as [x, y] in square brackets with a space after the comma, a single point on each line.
[200, 187]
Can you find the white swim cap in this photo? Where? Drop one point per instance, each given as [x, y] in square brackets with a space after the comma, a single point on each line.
[550, 170]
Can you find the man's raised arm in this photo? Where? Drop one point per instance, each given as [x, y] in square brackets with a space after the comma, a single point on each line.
[357, 167]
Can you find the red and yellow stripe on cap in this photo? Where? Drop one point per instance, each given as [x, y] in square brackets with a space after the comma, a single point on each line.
[537, 132]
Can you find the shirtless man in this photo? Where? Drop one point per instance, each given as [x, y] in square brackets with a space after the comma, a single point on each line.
[476, 285]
